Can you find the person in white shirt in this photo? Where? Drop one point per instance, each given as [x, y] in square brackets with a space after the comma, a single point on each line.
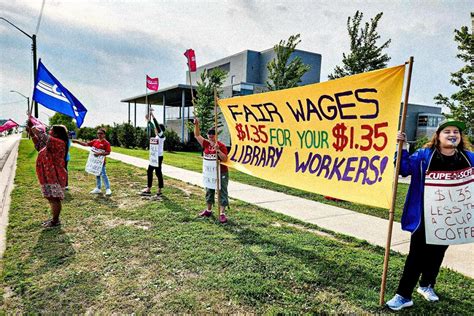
[157, 142]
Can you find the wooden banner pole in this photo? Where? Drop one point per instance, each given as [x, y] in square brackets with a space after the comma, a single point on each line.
[395, 186]
[218, 183]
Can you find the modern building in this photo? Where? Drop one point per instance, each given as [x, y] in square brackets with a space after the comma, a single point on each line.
[248, 74]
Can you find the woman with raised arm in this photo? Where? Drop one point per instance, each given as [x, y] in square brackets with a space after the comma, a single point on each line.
[157, 141]
[212, 150]
[50, 165]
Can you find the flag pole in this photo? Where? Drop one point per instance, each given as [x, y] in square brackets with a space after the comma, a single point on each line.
[148, 133]
[191, 87]
[218, 178]
[395, 185]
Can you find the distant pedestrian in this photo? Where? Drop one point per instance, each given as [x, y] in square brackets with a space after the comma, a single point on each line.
[213, 150]
[448, 150]
[157, 141]
[103, 149]
[50, 165]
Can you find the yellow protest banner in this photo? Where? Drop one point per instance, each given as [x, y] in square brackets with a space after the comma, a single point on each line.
[335, 138]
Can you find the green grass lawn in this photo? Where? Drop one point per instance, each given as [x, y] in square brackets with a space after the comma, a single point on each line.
[192, 161]
[124, 254]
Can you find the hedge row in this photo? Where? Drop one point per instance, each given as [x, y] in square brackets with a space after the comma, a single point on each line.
[127, 136]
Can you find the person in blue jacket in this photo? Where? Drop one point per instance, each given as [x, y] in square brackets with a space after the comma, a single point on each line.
[448, 150]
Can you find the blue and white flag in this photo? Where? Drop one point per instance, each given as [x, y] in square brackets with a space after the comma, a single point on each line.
[50, 93]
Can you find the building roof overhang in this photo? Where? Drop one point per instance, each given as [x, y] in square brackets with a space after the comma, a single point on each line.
[172, 96]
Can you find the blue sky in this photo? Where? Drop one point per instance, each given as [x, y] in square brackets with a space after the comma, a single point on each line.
[101, 50]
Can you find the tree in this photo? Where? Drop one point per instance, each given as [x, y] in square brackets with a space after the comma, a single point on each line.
[204, 103]
[61, 119]
[461, 103]
[283, 73]
[364, 54]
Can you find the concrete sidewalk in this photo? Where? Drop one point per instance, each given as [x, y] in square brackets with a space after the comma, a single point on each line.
[372, 229]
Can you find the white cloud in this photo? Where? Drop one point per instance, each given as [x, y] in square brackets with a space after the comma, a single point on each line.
[101, 49]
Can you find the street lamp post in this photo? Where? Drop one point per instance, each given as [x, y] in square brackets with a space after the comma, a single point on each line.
[33, 48]
[27, 99]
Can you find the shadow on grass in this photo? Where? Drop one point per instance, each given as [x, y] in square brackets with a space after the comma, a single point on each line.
[332, 273]
[54, 249]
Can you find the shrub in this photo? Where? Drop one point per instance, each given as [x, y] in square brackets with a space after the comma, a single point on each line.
[141, 138]
[192, 146]
[172, 142]
[86, 133]
[126, 135]
[113, 135]
[419, 143]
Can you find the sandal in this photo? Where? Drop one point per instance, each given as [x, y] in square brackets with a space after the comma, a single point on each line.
[47, 221]
[50, 223]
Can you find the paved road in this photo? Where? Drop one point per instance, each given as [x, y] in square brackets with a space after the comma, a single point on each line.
[6, 145]
[8, 156]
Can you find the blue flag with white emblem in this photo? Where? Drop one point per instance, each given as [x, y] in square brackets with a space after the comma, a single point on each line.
[50, 93]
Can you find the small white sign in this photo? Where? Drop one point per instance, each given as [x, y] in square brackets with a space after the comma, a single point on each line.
[449, 207]
[209, 174]
[154, 151]
[95, 163]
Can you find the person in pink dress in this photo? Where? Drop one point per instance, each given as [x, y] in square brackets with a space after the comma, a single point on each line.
[50, 165]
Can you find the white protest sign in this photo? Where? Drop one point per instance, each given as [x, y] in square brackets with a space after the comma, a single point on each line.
[95, 163]
[449, 207]
[154, 151]
[209, 175]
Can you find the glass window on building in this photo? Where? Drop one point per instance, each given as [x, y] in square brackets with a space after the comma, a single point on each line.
[422, 120]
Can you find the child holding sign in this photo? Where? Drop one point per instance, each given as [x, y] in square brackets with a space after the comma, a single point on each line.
[157, 142]
[101, 147]
[447, 152]
[214, 150]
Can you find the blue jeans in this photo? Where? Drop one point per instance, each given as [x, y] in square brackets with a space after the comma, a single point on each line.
[103, 174]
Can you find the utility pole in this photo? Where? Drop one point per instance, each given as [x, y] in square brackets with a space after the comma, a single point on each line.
[33, 48]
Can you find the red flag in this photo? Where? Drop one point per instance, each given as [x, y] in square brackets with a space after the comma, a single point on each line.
[152, 83]
[8, 125]
[191, 59]
[37, 123]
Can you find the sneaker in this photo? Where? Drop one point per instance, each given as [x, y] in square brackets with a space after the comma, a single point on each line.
[223, 218]
[108, 192]
[205, 213]
[145, 192]
[398, 302]
[95, 191]
[66, 188]
[428, 293]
